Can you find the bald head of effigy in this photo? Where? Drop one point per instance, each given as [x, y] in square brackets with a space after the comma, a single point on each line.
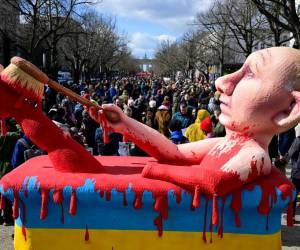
[263, 96]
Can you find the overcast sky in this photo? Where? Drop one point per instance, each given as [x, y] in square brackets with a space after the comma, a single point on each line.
[148, 22]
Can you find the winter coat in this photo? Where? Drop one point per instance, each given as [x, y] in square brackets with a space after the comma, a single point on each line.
[7, 145]
[194, 131]
[162, 119]
[294, 155]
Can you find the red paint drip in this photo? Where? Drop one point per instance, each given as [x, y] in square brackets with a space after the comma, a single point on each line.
[236, 205]
[101, 193]
[178, 196]
[138, 204]
[24, 232]
[125, 203]
[26, 189]
[16, 205]
[44, 206]
[210, 228]
[267, 219]
[215, 212]
[197, 197]
[86, 235]
[265, 204]
[221, 229]
[108, 195]
[159, 225]
[204, 223]
[250, 187]
[161, 206]
[23, 218]
[269, 197]
[73, 206]
[35, 184]
[2, 202]
[58, 197]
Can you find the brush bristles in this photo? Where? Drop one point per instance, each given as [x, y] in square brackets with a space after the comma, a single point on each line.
[22, 82]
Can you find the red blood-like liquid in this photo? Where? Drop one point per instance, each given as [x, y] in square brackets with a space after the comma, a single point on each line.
[122, 171]
[86, 235]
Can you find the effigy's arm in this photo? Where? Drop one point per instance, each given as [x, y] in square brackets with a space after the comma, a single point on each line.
[242, 168]
[150, 140]
[197, 150]
[65, 153]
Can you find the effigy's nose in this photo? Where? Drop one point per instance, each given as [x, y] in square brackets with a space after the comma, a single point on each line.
[226, 84]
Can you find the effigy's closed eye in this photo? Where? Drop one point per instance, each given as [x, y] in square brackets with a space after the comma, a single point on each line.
[248, 74]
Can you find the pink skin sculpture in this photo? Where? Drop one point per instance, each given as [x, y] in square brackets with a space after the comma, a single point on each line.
[258, 101]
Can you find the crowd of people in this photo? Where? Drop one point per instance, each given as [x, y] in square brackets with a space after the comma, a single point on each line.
[183, 111]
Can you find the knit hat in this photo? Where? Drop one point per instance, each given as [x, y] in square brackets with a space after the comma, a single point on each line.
[152, 104]
[206, 125]
[166, 102]
[130, 102]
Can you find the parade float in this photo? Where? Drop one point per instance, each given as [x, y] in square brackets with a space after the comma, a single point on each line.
[220, 193]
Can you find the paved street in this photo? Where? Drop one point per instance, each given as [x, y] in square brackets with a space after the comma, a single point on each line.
[6, 242]
[291, 236]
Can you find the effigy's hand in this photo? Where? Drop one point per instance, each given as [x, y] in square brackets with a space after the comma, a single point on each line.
[109, 116]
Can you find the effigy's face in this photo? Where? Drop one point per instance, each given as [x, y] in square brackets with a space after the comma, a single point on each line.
[259, 91]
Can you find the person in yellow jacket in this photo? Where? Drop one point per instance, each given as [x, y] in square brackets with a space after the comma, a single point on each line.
[194, 131]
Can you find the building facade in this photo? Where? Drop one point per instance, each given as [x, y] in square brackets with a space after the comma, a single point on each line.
[9, 20]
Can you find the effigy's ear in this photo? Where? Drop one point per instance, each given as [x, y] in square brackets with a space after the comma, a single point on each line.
[1, 68]
[291, 117]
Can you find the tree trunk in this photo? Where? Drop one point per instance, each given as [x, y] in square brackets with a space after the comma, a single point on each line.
[6, 50]
[297, 38]
[76, 76]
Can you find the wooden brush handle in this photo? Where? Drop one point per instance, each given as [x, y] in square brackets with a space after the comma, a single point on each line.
[73, 96]
[35, 72]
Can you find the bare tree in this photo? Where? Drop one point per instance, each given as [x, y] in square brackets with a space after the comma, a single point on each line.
[42, 19]
[281, 14]
[8, 26]
[95, 46]
[169, 59]
[207, 54]
[127, 65]
[213, 34]
[246, 24]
